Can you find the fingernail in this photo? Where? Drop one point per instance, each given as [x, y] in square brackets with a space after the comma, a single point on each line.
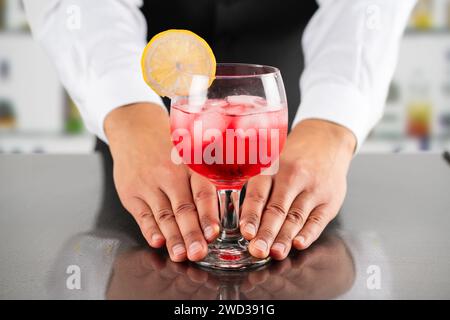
[300, 239]
[261, 245]
[178, 250]
[156, 238]
[209, 232]
[250, 229]
[195, 247]
[279, 247]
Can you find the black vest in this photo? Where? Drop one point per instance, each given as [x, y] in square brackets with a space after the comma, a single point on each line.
[247, 31]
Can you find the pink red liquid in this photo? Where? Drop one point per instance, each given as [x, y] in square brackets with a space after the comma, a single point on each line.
[238, 157]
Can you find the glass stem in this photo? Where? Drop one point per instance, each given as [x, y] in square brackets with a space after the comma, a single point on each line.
[229, 215]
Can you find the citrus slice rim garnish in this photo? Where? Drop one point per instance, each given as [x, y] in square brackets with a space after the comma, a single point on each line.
[172, 58]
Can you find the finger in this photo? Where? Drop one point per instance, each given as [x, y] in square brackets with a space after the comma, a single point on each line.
[205, 198]
[256, 195]
[143, 215]
[281, 198]
[165, 219]
[295, 219]
[186, 216]
[315, 224]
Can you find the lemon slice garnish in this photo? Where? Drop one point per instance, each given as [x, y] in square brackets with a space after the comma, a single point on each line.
[172, 59]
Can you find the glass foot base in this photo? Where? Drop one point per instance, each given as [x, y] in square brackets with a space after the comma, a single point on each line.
[230, 255]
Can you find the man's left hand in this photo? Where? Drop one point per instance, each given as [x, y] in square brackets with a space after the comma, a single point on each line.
[294, 206]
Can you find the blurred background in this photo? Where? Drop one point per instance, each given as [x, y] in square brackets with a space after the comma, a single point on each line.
[37, 116]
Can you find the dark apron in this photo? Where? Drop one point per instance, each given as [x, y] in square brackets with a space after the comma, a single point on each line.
[248, 31]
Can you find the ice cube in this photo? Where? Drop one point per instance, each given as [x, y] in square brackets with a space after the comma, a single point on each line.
[242, 99]
[180, 117]
[260, 102]
[244, 104]
[214, 104]
[252, 121]
[212, 120]
[237, 109]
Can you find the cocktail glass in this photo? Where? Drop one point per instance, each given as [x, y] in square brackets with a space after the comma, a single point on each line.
[229, 132]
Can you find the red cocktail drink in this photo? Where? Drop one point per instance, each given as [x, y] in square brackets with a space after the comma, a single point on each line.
[229, 140]
[229, 130]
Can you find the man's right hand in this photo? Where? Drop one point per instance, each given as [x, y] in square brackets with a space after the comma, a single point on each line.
[170, 204]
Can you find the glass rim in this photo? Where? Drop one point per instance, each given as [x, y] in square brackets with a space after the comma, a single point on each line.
[271, 70]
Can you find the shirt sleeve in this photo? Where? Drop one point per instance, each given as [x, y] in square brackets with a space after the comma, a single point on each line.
[350, 50]
[96, 47]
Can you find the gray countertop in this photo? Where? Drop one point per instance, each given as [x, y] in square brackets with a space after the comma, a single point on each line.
[61, 221]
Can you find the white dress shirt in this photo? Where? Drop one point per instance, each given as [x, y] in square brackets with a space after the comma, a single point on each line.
[350, 49]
